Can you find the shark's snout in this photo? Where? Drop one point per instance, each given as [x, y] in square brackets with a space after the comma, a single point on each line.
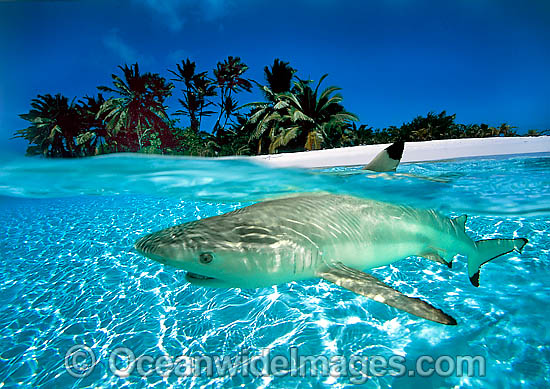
[172, 249]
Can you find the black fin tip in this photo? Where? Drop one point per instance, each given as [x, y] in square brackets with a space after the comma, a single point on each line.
[395, 150]
[475, 279]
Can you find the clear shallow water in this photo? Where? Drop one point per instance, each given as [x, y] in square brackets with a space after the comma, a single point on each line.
[492, 186]
[69, 274]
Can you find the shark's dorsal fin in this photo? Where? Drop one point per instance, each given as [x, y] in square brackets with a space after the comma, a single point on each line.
[460, 221]
[388, 159]
[369, 286]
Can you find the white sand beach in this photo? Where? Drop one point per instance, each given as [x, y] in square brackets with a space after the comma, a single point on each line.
[435, 150]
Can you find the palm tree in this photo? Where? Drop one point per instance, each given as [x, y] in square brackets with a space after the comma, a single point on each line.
[139, 113]
[228, 77]
[432, 126]
[506, 130]
[197, 88]
[310, 116]
[235, 140]
[94, 130]
[279, 77]
[55, 124]
[266, 116]
[351, 135]
[385, 135]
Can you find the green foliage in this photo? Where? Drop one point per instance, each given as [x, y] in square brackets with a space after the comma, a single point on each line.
[433, 126]
[139, 110]
[95, 129]
[296, 115]
[193, 143]
[438, 126]
[279, 77]
[236, 140]
[299, 118]
[228, 78]
[155, 144]
[60, 128]
[538, 132]
[198, 88]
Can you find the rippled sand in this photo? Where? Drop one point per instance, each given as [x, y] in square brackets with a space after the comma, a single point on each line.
[69, 276]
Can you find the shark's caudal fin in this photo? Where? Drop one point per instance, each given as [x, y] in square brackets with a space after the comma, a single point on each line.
[371, 287]
[490, 249]
[388, 159]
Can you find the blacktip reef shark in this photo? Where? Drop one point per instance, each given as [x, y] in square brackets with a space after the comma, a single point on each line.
[333, 237]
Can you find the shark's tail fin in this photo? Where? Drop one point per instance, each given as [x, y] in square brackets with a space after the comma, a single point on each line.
[388, 159]
[490, 249]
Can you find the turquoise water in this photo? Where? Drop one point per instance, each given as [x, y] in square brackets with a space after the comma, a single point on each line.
[69, 275]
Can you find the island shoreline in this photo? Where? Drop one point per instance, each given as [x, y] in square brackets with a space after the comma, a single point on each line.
[415, 152]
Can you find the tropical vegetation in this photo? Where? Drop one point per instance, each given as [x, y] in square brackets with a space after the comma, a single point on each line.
[296, 115]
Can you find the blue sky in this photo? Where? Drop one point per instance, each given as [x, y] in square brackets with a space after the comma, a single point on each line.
[485, 60]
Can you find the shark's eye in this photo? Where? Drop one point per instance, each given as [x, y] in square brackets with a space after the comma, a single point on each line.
[206, 257]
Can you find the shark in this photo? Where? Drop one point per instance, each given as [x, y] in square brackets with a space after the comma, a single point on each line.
[320, 235]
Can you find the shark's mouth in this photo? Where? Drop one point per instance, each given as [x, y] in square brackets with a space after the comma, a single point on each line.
[195, 276]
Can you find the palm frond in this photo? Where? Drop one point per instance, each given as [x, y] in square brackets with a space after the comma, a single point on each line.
[298, 115]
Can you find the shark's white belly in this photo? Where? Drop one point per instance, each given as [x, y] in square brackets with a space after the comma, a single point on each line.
[386, 241]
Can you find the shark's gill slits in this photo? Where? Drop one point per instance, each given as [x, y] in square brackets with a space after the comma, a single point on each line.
[251, 229]
[250, 234]
[259, 239]
[145, 244]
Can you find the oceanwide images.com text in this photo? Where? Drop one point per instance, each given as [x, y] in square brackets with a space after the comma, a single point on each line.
[81, 360]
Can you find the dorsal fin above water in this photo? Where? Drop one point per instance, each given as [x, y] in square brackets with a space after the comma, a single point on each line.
[371, 287]
[460, 221]
[388, 159]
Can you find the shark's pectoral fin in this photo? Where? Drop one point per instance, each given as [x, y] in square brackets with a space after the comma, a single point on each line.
[434, 256]
[437, 258]
[369, 286]
[460, 222]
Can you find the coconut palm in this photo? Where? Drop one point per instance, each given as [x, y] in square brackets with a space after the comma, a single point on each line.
[197, 89]
[94, 132]
[506, 130]
[309, 116]
[139, 112]
[235, 139]
[228, 78]
[55, 124]
[279, 78]
[429, 127]
[350, 135]
[266, 116]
